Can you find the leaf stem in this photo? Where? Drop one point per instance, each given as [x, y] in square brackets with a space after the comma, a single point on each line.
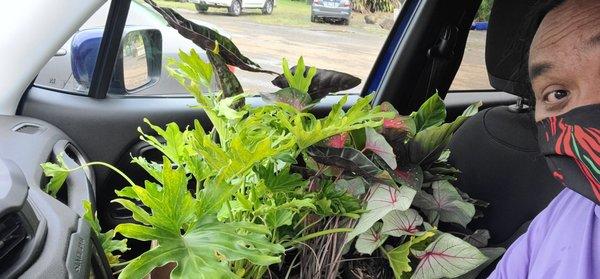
[107, 166]
[317, 234]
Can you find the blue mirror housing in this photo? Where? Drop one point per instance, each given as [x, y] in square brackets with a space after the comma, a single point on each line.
[84, 52]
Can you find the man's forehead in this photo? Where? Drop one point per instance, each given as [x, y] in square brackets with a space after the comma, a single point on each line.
[570, 26]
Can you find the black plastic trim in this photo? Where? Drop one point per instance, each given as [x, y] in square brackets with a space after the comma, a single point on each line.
[109, 48]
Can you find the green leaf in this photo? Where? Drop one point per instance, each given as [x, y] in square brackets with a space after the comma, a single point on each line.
[370, 240]
[58, 173]
[398, 257]
[300, 79]
[431, 113]
[205, 250]
[398, 223]
[492, 254]
[174, 142]
[355, 186]
[378, 145]
[382, 200]
[472, 109]
[447, 257]
[279, 217]
[308, 130]
[446, 202]
[109, 245]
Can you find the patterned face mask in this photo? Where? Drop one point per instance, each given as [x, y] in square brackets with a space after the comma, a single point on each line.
[571, 145]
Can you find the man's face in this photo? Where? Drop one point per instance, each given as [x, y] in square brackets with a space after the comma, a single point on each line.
[564, 59]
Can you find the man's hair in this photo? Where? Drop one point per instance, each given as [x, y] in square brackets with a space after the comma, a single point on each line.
[532, 22]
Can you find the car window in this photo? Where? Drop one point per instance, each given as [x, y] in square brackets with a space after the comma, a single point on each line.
[472, 74]
[331, 34]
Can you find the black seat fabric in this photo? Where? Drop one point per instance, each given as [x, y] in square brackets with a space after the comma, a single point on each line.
[497, 153]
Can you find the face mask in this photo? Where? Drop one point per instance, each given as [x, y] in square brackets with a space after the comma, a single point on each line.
[571, 145]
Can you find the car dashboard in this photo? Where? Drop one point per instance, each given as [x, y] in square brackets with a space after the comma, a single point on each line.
[42, 236]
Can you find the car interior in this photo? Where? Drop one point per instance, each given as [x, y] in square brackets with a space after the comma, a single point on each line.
[496, 150]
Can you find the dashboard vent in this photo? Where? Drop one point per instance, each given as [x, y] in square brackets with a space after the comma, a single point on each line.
[27, 128]
[13, 236]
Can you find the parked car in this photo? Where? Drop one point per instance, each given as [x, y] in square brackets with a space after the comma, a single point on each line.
[336, 10]
[58, 72]
[235, 7]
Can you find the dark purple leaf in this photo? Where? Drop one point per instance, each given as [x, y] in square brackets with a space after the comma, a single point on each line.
[323, 83]
[348, 159]
[207, 39]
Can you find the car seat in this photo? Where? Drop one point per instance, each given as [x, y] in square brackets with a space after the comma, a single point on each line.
[496, 150]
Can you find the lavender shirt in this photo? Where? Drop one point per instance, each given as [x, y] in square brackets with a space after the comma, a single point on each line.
[563, 241]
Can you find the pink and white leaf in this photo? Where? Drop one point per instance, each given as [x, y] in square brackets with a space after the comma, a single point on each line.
[447, 257]
[398, 223]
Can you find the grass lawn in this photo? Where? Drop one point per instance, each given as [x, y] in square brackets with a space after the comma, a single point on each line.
[286, 13]
[175, 5]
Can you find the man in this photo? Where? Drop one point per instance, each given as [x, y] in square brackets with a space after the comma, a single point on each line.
[563, 241]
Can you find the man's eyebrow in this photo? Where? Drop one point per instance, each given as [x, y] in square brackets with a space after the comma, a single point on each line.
[594, 41]
[539, 69]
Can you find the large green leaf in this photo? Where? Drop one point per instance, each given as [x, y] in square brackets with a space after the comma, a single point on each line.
[447, 257]
[398, 257]
[431, 113]
[398, 223]
[370, 240]
[187, 230]
[377, 144]
[202, 252]
[446, 203]
[382, 200]
[207, 39]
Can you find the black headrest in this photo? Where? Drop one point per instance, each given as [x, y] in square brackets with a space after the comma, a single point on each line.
[510, 31]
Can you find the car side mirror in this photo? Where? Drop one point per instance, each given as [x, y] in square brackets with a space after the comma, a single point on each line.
[138, 64]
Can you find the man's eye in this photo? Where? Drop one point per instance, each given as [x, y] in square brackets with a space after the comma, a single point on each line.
[556, 96]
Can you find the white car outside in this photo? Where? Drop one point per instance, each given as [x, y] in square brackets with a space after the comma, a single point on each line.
[235, 7]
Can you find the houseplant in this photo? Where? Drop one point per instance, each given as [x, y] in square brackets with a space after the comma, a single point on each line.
[273, 185]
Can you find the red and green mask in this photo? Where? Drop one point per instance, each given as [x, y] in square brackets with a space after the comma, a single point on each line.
[571, 146]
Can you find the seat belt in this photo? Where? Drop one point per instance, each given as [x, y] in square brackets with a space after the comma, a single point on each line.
[440, 53]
